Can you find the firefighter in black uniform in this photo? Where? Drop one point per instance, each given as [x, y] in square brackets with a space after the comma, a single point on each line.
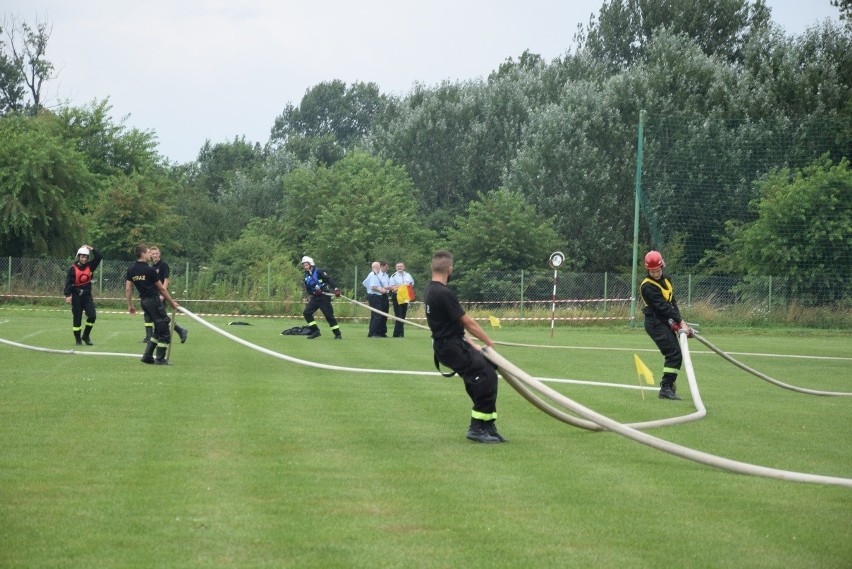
[78, 292]
[144, 277]
[663, 321]
[162, 269]
[448, 322]
[318, 283]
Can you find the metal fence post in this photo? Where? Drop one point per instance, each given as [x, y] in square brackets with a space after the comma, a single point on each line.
[606, 277]
[689, 292]
[522, 293]
[769, 310]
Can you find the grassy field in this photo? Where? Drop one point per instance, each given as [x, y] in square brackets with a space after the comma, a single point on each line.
[233, 458]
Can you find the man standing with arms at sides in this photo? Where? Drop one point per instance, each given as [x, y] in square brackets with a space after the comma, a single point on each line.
[318, 283]
[663, 321]
[78, 292]
[143, 276]
[162, 269]
[400, 309]
[376, 298]
[448, 323]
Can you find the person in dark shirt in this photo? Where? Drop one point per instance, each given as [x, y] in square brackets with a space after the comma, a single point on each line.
[663, 321]
[448, 322]
[78, 292]
[318, 284]
[163, 272]
[144, 277]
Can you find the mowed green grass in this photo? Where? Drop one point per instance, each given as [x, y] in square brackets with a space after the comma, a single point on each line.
[233, 458]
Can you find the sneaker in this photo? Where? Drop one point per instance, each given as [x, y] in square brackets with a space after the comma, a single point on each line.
[314, 334]
[480, 435]
[183, 333]
[491, 429]
[666, 392]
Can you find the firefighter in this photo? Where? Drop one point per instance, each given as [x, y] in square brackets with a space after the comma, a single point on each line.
[663, 321]
[78, 292]
[318, 283]
[162, 269]
[144, 277]
[448, 323]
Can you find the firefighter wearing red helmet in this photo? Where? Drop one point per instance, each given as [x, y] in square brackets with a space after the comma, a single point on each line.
[663, 321]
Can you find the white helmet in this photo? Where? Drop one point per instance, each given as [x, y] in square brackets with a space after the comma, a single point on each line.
[308, 260]
[83, 251]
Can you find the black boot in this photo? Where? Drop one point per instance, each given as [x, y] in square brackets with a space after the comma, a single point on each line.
[77, 339]
[86, 332]
[182, 333]
[315, 332]
[477, 432]
[148, 356]
[337, 335]
[667, 391]
[491, 429]
[161, 356]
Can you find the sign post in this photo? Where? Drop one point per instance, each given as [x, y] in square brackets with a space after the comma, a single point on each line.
[555, 261]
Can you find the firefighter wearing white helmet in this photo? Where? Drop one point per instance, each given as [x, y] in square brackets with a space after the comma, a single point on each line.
[78, 293]
[663, 321]
[319, 285]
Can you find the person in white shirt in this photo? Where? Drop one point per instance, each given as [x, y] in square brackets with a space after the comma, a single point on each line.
[400, 309]
[376, 284]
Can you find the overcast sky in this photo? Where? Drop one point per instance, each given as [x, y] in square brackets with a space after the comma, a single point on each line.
[196, 70]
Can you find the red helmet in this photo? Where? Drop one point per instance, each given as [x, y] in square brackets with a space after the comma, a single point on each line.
[653, 260]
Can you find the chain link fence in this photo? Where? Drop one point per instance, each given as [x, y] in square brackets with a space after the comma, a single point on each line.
[510, 296]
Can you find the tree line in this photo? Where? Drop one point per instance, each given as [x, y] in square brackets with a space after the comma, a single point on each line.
[539, 156]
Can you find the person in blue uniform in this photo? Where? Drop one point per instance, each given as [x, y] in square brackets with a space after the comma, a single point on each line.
[318, 284]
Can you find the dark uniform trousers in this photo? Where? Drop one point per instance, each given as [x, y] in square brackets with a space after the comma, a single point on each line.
[81, 303]
[155, 310]
[400, 311]
[323, 304]
[378, 323]
[666, 341]
[480, 378]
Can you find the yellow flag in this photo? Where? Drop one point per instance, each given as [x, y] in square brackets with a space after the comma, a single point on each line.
[643, 371]
[402, 295]
[495, 322]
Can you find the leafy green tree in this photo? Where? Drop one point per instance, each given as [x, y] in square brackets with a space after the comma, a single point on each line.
[331, 119]
[360, 209]
[202, 223]
[845, 7]
[217, 164]
[803, 231]
[110, 148]
[133, 209]
[23, 65]
[45, 187]
[436, 133]
[498, 232]
[256, 263]
[623, 30]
